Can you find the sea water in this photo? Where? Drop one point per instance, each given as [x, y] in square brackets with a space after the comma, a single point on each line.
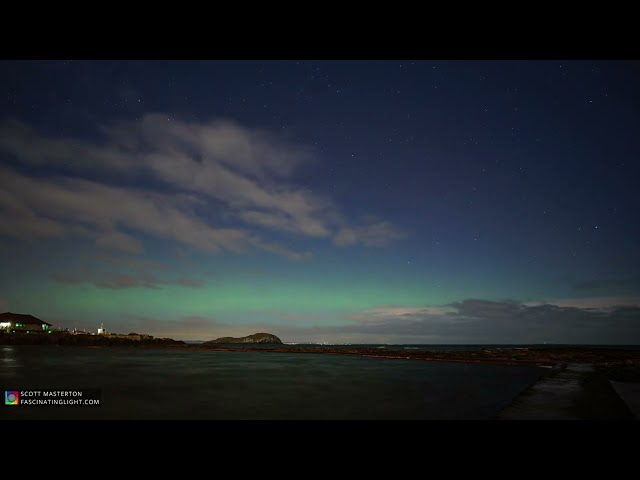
[140, 383]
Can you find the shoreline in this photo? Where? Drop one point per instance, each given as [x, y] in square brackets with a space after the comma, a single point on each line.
[547, 357]
[619, 364]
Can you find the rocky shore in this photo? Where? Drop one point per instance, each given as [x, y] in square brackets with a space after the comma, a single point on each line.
[615, 363]
[67, 339]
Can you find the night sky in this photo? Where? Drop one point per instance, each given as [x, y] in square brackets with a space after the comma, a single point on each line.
[326, 201]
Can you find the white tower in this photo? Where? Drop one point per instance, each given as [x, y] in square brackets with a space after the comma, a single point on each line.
[101, 329]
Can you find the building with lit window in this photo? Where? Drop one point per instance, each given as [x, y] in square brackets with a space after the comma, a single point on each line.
[16, 322]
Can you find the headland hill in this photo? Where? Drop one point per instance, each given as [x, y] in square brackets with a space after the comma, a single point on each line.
[617, 362]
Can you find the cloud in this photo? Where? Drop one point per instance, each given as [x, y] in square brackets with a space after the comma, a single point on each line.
[34, 207]
[597, 303]
[375, 234]
[114, 280]
[128, 262]
[18, 220]
[116, 272]
[484, 321]
[383, 314]
[120, 241]
[217, 169]
[608, 283]
[278, 221]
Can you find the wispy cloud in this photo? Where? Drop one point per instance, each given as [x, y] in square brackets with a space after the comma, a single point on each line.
[372, 234]
[118, 272]
[142, 264]
[216, 170]
[595, 303]
[114, 280]
[68, 206]
[119, 241]
[384, 313]
[609, 283]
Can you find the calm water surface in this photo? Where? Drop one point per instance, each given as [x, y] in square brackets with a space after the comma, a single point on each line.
[168, 384]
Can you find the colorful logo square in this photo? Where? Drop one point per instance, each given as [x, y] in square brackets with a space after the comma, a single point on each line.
[11, 397]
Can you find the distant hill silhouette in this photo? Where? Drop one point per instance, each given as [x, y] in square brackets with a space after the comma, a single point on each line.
[255, 338]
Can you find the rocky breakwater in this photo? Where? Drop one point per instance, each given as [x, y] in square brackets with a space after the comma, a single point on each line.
[68, 339]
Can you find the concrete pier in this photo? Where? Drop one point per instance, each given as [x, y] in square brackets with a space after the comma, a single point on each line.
[571, 392]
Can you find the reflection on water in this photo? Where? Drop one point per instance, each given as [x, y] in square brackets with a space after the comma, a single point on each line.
[9, 365]
[168, 384]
